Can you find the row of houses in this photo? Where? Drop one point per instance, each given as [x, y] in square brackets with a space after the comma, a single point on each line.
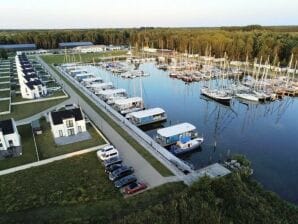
[31, 86]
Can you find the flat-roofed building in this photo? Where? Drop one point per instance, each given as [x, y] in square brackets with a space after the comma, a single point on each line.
[18, 47]
[74, 44]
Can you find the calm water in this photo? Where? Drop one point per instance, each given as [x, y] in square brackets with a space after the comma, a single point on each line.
[266, 133]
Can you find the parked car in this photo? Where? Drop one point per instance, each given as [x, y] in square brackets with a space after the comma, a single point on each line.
[107, 152]
[125, 181]
[113, 168]
[119, 173]
[134, 187]
[112, 161]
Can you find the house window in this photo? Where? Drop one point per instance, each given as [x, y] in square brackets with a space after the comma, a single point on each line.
[1, 145]
[70, 132]
[69, 123]
[60, 133]
[79, 129]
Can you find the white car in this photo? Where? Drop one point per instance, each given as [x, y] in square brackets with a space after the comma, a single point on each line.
[107, 152]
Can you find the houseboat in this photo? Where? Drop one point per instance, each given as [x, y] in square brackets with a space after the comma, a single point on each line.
[88, 81]
[82, 76]
[128, 105]
[171, 135]
[111, 94]
[148, 116]
[97, 87]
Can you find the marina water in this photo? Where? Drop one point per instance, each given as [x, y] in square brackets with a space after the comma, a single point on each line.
[267, 134]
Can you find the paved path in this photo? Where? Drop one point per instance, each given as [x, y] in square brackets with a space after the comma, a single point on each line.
[143, 169]
[46, 161]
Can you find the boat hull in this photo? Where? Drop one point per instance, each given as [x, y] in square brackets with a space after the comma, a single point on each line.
[180, 151]
[223, 100]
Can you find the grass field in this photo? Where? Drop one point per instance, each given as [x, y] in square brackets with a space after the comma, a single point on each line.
[151, 159]
[22, 111]
[4, 86]
[88, 57]
[4, 79]
[28, 149]
[47, 147]
[4, 106]
[74, 189]
[18, 97]
[4, 94]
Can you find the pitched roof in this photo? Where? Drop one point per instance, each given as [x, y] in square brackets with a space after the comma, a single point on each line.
[59, 116]
[6, 126]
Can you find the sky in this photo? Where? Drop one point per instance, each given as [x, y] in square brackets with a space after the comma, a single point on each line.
[53, 14]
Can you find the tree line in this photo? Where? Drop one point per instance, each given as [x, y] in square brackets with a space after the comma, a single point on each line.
[238, 42]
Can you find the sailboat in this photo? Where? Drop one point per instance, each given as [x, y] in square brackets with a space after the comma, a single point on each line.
[218, 94]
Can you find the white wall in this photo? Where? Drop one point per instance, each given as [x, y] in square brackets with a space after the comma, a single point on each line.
[14, 137]
[64, 129]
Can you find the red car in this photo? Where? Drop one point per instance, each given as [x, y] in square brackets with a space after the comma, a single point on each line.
[134, 187]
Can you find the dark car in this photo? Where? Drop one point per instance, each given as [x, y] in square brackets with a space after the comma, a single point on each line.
[134, 187]
[119, 173]
[112, 161]
[125, 181]
[112, 168]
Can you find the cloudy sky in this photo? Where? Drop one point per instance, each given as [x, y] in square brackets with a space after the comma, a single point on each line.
[136, 13]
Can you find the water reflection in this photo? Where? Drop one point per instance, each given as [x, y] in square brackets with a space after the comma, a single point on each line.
[266, 133]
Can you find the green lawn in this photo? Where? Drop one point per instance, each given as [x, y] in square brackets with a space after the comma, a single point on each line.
[28, 150]
[22, 111]
[18, 97]
[47, 147]
[4, 94]
[4, 74]
[4, 79]
[88, 57]
[151, 159]
[74, 189]
[5, 86]
[4, 106]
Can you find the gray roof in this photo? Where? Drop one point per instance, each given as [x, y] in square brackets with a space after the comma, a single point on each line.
[74, 44]
[17, 46]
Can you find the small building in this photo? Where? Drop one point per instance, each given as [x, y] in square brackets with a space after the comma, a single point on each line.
[18, 47]
[91, 49]
[67, 122]
[9, 135]
[149, 50]
[64, 45]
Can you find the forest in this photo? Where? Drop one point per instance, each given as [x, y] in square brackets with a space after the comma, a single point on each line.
[238, 42]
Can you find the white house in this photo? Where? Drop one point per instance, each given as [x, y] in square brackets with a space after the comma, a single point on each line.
[91, 49]
[31, 86]
[67, 122]
[9, 136]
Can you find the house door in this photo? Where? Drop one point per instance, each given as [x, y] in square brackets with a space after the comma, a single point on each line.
[70, 132]
[10, 142]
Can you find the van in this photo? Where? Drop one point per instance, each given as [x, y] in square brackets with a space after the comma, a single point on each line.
[104, 155]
